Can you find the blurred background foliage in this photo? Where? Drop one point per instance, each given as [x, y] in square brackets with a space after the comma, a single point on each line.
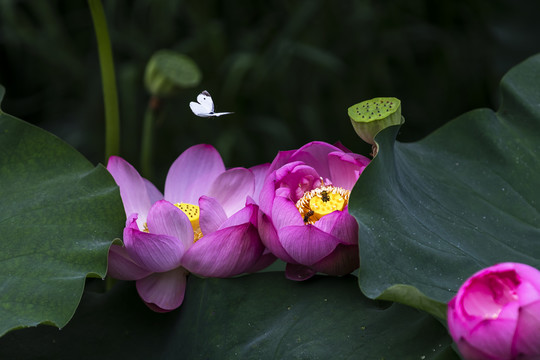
[288, 69]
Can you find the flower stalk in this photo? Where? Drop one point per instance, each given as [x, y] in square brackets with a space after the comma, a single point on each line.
[147, 143]
[108, 79]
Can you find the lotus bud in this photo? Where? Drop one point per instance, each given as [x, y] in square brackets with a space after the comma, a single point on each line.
[496, 314]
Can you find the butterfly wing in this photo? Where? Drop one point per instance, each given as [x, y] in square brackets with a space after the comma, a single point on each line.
[221, 113]
[204, 107]
[199, 109]
[206, 101]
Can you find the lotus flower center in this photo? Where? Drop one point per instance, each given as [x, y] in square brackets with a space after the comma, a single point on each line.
[192, 212]
[322, 201]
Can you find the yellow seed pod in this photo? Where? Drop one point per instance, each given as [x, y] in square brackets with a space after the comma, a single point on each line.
[192, 212]
[326, 203]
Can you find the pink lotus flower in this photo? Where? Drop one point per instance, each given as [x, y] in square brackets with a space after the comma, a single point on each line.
[303, 216]
[206, 224]
[496, 313]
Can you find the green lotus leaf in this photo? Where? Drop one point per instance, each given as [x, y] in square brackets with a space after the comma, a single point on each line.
[260, 316]
[59, 216]
[433, 212]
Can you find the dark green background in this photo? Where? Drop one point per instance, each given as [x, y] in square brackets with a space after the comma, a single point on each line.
[288, 69]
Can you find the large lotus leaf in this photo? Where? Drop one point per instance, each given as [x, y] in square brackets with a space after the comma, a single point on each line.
[433, 212]
[260, 316]
[59, 216]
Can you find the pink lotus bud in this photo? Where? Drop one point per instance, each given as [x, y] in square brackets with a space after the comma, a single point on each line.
[496, 314]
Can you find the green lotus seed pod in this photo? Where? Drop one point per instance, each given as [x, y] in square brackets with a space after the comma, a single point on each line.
[168, 71]
[371, 116]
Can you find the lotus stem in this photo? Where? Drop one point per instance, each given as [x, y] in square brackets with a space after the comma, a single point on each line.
[108, 79]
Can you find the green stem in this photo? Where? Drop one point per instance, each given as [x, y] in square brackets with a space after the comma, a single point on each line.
[147, 143]
[110, 97]
[109, 283]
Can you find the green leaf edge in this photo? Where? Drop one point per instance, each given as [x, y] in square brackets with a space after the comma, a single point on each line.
[402, 293]
[407, 294]
[99, 274]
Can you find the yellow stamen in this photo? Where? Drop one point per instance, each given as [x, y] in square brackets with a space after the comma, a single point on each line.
[322, 201]
[192, 212]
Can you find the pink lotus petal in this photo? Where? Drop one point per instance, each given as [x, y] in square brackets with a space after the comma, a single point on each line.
[251, 201]
[266, 259]
[526, 337]
[510, 311]
[456, 327]
[340, 224]
[131, 221]
[470, 352]
[153, 193]
[285, 213]
[122, 267]
[191, 175]
[259, 172]
[298, 178]
[158, 253]
[163, 291]
[467, 307]
[224, 253]
[494, 337]
[527, 292]
[346, 168]
[267, 194]
[132, 186]
[298, 272]
[281, 159]
[212, 215]
[231, 189]
[342, 147]
[166, 219]
[342, 261]
[529, 289]
[247, 215]
[156, 308]
[270, 239]
[306, 243]
[315, 154]
[479, 299]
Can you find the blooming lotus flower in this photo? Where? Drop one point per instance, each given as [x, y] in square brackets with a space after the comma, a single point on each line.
[496, 314]
[303, 217]
[205, 224]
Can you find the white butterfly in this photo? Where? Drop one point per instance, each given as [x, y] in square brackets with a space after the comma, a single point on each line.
[205, 106]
